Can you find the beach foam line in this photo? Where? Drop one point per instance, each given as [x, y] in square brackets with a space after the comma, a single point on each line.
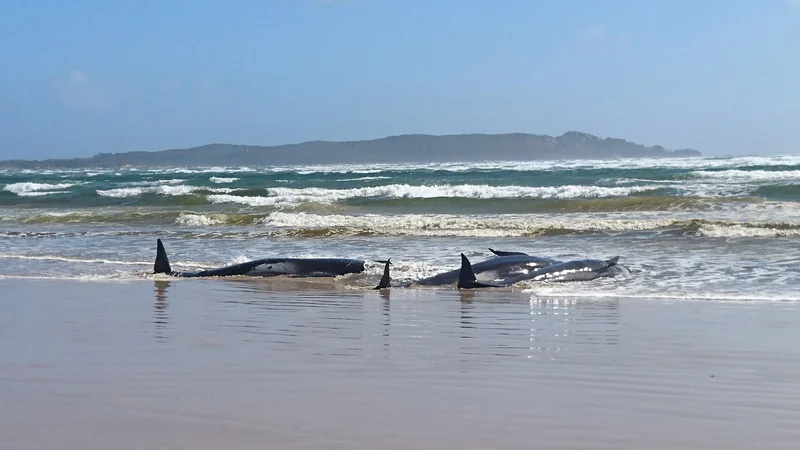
[68, 259]
[71, 259]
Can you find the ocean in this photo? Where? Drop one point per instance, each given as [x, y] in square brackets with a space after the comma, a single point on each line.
[702, 228]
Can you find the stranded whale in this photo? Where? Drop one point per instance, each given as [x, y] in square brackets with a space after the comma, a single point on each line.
[298, 267]
[501, 266]
[577, 270]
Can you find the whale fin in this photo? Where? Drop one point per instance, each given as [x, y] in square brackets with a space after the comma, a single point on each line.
[467, 278]
[162, 262]
[613, 261]
[386, 280]
[502, 253]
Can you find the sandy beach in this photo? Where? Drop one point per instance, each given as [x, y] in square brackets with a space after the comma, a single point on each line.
[209, 364]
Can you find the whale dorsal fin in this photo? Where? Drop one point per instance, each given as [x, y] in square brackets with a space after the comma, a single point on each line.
[386, 280]
[467, 278]
[162, 262]
[612, 261]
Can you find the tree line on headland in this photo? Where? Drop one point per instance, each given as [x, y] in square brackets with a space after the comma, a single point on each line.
[411, 148]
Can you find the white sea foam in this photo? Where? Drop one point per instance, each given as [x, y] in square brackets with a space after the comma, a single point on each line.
[221, 190]
[213, 169]
[71, 259]
[242, 200]
[364, 178]
[744, 176]
[547, 165]
[458, 225]
[737, 230]
[515, 225]
[289, 196]
[28, 189]
[223, 180]
[41, 193]
[199, 220]
[136, 191]
[167, 181]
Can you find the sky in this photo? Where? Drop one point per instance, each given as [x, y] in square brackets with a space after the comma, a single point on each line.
[81, 77]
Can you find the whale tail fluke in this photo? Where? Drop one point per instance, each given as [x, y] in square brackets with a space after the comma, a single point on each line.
[162, 262]
[467, 278]
[386, 280]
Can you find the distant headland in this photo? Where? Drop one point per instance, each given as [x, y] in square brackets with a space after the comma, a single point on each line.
[409, 148]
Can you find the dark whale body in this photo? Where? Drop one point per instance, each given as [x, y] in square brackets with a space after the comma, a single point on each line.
[298, 267]
[502, 266]
[577, 270]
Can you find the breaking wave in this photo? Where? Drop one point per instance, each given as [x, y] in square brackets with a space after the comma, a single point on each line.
[289, 196]
[29, 189]
[305, 224]
[136, 191]
[223, 180]
[204, 220]
[742, 176]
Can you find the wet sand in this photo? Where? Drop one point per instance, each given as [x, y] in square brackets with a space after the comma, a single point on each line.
[212, 364]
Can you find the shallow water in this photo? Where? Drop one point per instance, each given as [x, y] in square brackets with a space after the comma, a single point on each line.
[272, 364]
[713, 228]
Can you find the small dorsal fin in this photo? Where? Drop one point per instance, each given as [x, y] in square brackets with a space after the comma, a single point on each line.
[386, 280]
[162, 262]
[613, 261]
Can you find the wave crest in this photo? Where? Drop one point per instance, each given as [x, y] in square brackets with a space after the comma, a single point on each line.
[29, 189]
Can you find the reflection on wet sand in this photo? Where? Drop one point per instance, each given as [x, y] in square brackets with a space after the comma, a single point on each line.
[161, 315]
[251, 364]
[557, 323]
[386, 295]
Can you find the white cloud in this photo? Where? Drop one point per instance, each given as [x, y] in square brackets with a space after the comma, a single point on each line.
[79, 92]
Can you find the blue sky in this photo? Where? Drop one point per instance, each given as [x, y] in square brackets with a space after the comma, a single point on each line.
[81, 77]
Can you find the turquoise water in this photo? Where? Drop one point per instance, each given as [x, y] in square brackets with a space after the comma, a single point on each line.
[714, 227]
